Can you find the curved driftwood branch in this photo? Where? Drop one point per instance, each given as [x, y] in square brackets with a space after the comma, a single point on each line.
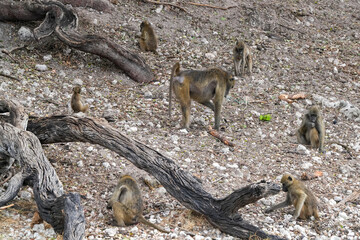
[222, 213]
[63, 212]
[63, 21]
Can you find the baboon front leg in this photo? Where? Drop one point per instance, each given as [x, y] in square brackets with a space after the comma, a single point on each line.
[237, 67]
[250, 64]
[277, 206]
[185, 110]
[217, 111]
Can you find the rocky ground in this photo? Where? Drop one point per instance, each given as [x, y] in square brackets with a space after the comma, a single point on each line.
[298, 46]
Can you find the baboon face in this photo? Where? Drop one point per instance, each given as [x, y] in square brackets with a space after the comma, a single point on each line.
[313, 114]
[77, 89]
[144, 23]
[286, 181]
[230, 83]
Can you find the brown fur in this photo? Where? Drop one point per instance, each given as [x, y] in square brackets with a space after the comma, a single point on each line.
[208, 87]
[76, 101]
[127, 204]
[312, 129]
[148, 39]
[299, 196]
[242, 57]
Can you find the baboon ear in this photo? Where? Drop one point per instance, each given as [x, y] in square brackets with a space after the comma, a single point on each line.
[290, 178]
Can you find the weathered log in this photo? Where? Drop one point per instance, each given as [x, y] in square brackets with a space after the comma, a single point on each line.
[18, 118]
[63, 211]
[63, 21]
[222, 213]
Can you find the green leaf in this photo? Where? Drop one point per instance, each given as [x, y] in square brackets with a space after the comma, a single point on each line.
[266, 117]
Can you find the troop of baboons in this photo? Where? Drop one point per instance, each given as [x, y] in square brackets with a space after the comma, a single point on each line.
[209, 88]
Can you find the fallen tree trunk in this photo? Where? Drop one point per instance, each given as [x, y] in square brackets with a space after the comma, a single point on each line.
[63, 21]
[222, 213]
[63, 211]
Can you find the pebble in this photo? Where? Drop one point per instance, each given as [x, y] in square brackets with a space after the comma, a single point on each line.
[25, 34]
[25, 195]
[302, 150]
[47, 57]
[306, 165]
[80, 163]
[111, 231]
[106, 164]
[41, 67]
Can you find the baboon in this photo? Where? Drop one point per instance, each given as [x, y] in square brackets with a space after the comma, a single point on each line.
[208, 87]
[242, 56]
[76, 101]
[299, 196]
[127, 204]
[312, 129]
[148, 39]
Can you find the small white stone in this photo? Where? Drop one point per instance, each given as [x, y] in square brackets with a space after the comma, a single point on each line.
[80, 163]
[302, 150]
[148, 94]
[174, 236]
[90, 148]
[210, 56]
[41, 67]
[111, 231]
[25, 34]
[332, 202]
[216, 165]
[133, 129]
[78, 81]
[300, 229]
[106, 164]
[269, 220]
[335, 238]
[47, 57]
[198, 237]
[337, 198]
[25, 195]
[342, 216]
[183, 131]
[306, 165]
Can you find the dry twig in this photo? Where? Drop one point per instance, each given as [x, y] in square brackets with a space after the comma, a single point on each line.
[8, 76]
[216, 134]
[211, 6]
[5, 207]
[169, 4]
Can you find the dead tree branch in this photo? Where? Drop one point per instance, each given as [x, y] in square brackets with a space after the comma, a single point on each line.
[222, 213]
[62, 211]
[63, 22]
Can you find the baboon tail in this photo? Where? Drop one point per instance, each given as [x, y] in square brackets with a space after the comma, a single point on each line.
[175, 71]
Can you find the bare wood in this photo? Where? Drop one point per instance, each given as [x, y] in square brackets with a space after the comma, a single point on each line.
[349, 198]
[5, 207]
[62, 21]
[222, 213]
[55, 207]
[169, 4]
[210, 6]
[216, 134]
[8, 76]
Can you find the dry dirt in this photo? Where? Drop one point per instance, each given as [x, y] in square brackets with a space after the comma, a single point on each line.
[298, 46]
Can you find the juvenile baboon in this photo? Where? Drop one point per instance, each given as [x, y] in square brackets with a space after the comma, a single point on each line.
[76, 101]
[208, 87]
[312, 129]
[148, 39]
[299, 196]
[127, 204]
[242, 56]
